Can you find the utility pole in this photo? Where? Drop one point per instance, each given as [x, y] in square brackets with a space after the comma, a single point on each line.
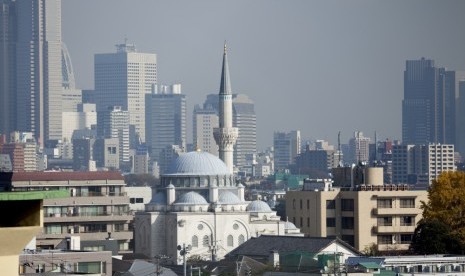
[183, 251]
[158, 258]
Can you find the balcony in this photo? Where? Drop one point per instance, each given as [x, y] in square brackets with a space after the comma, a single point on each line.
[396, 211]
[393, 229]
[80, 217]
[117, 235]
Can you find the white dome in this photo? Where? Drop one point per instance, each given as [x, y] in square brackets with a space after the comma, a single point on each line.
[197, 163]
[289, 225]
[191, 198]
[258, 206]
[227, 197]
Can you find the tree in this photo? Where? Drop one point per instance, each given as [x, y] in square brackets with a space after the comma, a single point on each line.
[442, 229]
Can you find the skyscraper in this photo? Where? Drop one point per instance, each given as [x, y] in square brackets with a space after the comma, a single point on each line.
[165, 119]
[245, 120]
[204, 121]
[123, 79]
[359, 148]
[226, 135]
[114, 123]
[286, 148]
[31, 67]
[429, 105]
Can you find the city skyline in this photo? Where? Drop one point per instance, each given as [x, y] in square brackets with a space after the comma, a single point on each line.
[300, 60]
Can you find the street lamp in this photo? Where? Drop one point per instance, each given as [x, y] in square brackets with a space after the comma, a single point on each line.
[183, 251]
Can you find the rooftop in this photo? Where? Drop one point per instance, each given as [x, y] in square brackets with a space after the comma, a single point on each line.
[57, 176]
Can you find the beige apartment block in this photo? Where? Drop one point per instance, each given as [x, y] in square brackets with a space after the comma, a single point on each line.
[384, 215]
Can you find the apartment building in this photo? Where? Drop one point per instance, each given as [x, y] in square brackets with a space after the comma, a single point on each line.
[97, 209]
[370, 213]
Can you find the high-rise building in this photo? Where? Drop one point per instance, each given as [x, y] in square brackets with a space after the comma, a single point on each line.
[286, 148]
[123, 79]
[429, 105]
[245, 120]
[225, 135]
[359, 148]
[165, 119]
[204, 121]
[31, 64]
[421, 164]
[114, 123]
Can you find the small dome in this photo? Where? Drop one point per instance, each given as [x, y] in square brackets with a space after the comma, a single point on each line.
[191, 198]
[159, 198]
[197, 163]
[227, 197]
[258, 206]
[289, 225]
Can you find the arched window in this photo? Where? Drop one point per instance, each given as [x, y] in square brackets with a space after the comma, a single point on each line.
[206, 241]
[195, 241]
[230, 241]
[241, 239]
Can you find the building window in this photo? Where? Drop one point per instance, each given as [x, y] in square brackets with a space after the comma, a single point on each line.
[405, 238]
[301, 222]
[241, 239]
[347, 204]
[330, 222]
[385, 239]
[139, 200]
[293, 204]
[347, 223]
[195, 241]
[308, 222]
[330, 204]
[308, 204]
[407, 221]
[384, 203]
[206, 241]
[301, 204]
[230, 241]
[407, 203]
[385, 221]
[119, 227]
[53, 229]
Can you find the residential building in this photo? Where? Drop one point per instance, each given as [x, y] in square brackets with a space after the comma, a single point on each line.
[123, 79]
[286, 148]
[370, 214]
[97, 206]
[421, 164]
[107, 153]
[165, 119]
[141, 160]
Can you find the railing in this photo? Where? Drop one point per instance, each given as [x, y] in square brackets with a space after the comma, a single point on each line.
[88, 214]
[95, 194]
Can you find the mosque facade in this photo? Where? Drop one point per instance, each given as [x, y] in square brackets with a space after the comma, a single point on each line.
[199, 204]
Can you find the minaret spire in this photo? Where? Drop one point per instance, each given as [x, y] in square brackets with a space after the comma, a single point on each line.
[226, 134]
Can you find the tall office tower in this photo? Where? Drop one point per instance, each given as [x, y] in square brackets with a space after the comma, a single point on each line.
[123, 79]
[359, 146]
[204, 121]
[71, 96]
[429, 105]
[30, 76]
[7, 66]
[114, 123]
[225, 135]
[286, 148]
[165, 119]
[421, 164]
[460, 120]
[245, 120]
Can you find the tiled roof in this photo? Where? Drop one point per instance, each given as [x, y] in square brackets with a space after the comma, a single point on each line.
[60, 176]
[264, 244]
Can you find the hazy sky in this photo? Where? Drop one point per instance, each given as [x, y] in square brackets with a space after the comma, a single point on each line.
[317, 66]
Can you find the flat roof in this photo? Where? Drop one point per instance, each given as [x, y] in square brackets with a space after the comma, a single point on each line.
[33, 195]
[60, 176]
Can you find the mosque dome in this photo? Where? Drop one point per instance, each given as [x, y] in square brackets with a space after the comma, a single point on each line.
[258, 206]
[227, 197]
[289, 225]
[191, 198]
[197, 163]
[159, 198]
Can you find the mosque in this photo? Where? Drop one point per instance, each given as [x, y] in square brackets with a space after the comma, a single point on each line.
[200, 206]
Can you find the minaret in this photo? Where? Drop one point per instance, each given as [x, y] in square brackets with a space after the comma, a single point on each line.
[226, 134]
